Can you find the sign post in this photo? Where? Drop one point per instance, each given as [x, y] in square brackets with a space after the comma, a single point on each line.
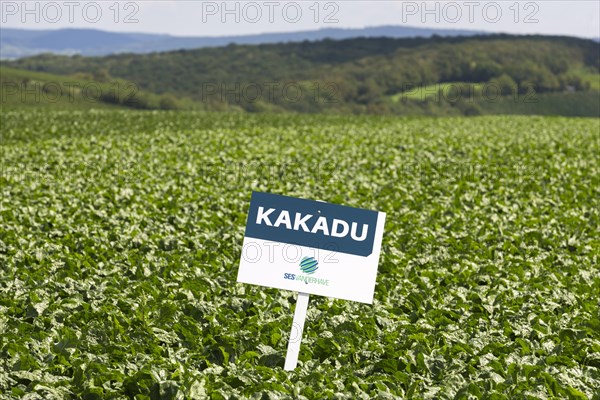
[293, 350]
[310, 247]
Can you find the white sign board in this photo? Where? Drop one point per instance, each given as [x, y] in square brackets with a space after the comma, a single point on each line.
[311, 247]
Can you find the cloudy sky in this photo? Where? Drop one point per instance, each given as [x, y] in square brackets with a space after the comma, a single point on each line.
[219, 18]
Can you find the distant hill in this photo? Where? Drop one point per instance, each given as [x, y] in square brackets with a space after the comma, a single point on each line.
[438, 75]
[15, 43]
[28, 89]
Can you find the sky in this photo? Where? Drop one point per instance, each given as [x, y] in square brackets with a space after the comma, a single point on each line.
[227, 18]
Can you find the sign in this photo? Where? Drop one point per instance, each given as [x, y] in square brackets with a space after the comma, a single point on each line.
[311, 247]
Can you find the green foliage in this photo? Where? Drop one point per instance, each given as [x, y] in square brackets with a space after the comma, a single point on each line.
[348, 76]
[578, 104]
[121, 231]
[507, 86]
[27, 89]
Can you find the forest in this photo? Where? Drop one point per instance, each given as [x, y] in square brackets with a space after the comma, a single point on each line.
[479, 74]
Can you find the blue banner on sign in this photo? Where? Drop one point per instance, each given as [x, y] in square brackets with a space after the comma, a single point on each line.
[311, 223]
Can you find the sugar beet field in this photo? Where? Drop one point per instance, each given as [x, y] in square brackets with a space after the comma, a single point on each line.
[121, 234]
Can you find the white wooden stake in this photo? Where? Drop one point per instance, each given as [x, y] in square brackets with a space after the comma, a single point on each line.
[291, 358]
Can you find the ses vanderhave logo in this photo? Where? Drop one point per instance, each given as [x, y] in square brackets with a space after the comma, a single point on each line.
[308, 265]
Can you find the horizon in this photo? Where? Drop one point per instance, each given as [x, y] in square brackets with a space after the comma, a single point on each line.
[234, 18]
[319, 29]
